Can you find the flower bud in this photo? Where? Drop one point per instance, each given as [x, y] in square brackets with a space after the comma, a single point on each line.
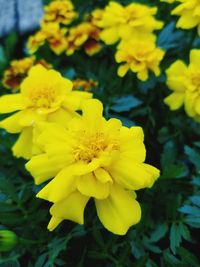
[8, 240]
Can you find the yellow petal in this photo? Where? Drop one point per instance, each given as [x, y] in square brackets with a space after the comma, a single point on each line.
[109, 35]
[195, 57]
[61, 116]
[130, 175]
[11, 124]
[74, 100]
[131, 144]
[60, 187]
[24, 144]
[88, 185]
[175, 76]
[53, 223]
[71, 208]
[92, 112]
[187, 20]
[10, 103]
[102, 175]
[42, 168]
[154, 172]
[122, 70]
[175, 100]
[119, 211]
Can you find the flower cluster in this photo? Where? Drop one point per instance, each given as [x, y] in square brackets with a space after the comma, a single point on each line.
[57, 13]
[185, 82]
[188, 10]
[54, 30]
[133, 25]
[84, 156]
[18, 70]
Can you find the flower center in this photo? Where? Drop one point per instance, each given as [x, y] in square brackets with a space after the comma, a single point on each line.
[91, 146]
[43, 98]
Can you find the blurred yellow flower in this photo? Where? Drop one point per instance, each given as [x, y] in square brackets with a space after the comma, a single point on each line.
[185, 82]
[18, 70]
[92, 157]
[122, 22]
[139, 56]
[61, 11]
[44, 96]
[86, 35]
[53, 34]
[189, 12]
[86, 85]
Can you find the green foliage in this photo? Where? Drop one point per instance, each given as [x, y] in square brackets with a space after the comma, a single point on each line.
[168, 234]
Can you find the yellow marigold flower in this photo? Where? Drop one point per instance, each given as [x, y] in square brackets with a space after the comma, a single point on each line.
[139, 56]
[14, 75]
[35, 41]
[61, 11]
[44, 96]
[96, 17]
[189, 12]
[18, 70]
[84, 84]
[96, 158]
[86, 35]
[53, 34]
[123, 21]
[185, 82]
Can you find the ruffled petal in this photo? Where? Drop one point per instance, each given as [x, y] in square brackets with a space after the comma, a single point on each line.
[24, 144]
[130, 175]
[11, 124]
[60, 187]
[119, 211]
[10, 103]
[88, 185]
[175, 100]
[42, 168]
[70, 208]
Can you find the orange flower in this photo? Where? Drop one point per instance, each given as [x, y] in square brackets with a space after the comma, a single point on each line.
[84, 84]
[18, 70]
[59, 11]
[86, 35]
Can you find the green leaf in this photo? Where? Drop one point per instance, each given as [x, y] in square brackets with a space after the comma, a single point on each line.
[175, 237]
[125, 103]
[168, 38]
[188, 258]
[159, 232]
[193, 156]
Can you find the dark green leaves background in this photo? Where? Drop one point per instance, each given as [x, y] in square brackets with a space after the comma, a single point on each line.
[168, 234]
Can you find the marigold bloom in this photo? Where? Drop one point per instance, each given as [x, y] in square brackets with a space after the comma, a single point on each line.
[60, 11]
[18, 70]
[96, 158]
[188, 10]
[53, 34]
[86, 35]
[185, 82]
[139, 57]
[124, 21]
[44, 96]
[84, 84]
[13, 76]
